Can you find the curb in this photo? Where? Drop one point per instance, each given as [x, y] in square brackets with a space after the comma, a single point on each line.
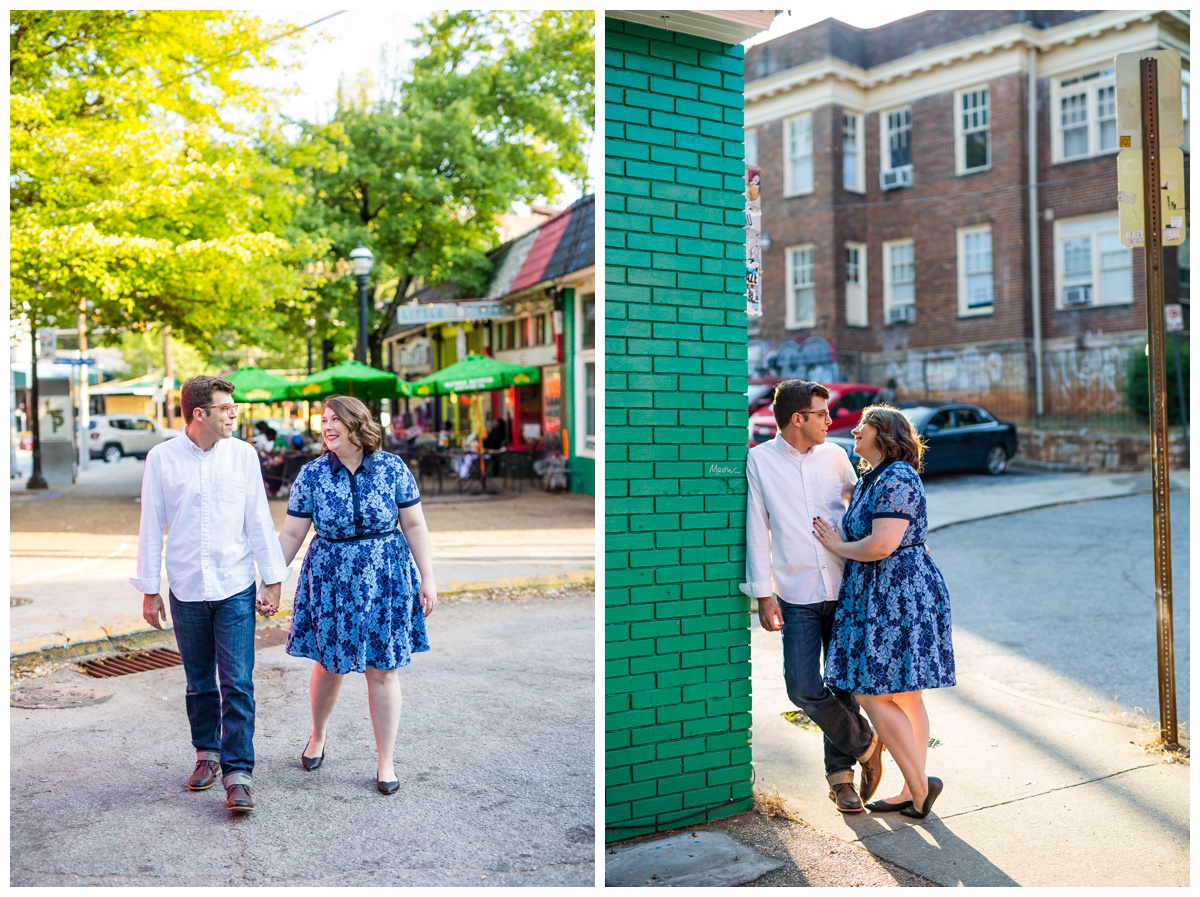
[135, 635]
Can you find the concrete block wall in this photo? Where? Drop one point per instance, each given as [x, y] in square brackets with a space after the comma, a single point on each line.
[677, 638]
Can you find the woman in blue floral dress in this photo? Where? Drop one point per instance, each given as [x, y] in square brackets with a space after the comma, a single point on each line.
[891, 633]
[365, 586]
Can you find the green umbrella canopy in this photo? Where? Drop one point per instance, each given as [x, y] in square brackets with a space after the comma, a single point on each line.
[350, 378]
[475, 373]
[253, 384]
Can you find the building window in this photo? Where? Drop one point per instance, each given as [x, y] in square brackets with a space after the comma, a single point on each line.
[975, 270]
[897, 133]
[799, 171]
[802, 291]
[585, 366]
[1086, 115]
[899, 276]
[853, 174]
[974, 140]
[856, 285]
[1091, 266]
[751, 145]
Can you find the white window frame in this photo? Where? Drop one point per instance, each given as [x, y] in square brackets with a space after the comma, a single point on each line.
[889, 283]
[1093, 228]
[962, 129]
[585, 447]
[792, 154]
[965, 273]
[1089, 83]
[856, 285]
[860, 167]
[792, 320]
[885, 139]
[750, 147]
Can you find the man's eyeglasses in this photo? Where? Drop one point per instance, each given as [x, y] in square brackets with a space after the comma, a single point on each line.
[823, 411]
[228, 409]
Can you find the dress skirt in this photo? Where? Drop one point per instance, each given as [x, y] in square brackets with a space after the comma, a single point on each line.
[358, 605]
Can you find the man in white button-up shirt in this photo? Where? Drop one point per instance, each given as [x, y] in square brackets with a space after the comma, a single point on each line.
[207, 490]
[792, 480]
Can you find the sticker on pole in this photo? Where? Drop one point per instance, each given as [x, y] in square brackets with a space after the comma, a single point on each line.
[1174, 316]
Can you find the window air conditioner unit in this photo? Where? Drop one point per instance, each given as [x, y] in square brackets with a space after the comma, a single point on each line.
[897, 313]
[1077, 295]
[896, 177]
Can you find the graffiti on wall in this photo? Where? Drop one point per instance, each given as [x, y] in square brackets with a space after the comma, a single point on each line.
[812, 359]
[1092, 374]
[969, 372]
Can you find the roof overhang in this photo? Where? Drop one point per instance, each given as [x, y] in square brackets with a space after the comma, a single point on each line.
[727, 26]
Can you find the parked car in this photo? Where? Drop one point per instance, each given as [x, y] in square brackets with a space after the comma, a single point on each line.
[846, 404]
[958, 436]
[114, 436]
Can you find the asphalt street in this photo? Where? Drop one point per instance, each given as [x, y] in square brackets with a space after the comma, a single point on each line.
[1060, 603]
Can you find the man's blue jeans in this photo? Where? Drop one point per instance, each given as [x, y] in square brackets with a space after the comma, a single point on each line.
[806, 632]
[216, 638]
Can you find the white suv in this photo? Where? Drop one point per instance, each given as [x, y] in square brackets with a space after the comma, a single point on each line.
[112, 436]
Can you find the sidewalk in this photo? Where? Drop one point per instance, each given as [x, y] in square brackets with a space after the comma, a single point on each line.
[74, 547]
[1042, 794]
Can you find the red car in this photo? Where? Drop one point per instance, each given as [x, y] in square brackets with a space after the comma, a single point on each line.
[846, 404]
[760, 391]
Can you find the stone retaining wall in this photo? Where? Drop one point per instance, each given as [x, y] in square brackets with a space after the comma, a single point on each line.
[1094, 451]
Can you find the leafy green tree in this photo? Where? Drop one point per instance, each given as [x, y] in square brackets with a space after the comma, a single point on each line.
[1137, 381]
[139, 192]
[497, 110]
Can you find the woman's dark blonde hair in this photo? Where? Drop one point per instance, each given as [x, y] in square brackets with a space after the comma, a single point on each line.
[364, 431]
[896, 436]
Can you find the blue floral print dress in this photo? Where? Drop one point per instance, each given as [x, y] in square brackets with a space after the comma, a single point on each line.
[891, 631]
[358, 599]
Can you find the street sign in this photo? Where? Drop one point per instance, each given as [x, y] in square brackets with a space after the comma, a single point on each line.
[1174, 316]
[47, 343]
[74, 361]
[1130, 200]
[433, 313]
[1129, 102]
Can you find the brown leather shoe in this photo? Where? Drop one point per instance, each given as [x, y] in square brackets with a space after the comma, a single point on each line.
[845, 798]
[872, 771]
[238, 799]
[205, 775]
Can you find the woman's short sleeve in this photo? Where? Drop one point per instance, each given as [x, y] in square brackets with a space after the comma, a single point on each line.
[899, 493]
[300, 497]
[407, 493]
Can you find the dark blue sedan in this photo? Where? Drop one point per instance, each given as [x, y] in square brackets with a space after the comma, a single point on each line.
[958, 436]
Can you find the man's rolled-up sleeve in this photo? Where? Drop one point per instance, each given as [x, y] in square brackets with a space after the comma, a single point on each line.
[260, 529]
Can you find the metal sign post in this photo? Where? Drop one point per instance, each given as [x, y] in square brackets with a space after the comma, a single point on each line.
[1152, 205]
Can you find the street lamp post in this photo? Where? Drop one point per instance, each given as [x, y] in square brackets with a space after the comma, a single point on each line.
[362, 259]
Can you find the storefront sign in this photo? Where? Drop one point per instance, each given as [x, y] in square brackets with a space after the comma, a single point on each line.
[433, 313]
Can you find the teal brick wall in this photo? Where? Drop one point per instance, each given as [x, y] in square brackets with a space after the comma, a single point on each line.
[677, 631]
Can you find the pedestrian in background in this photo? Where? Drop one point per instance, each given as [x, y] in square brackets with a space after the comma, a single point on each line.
[891, 635]
[791, 479]
[365, 586]
[207, 489]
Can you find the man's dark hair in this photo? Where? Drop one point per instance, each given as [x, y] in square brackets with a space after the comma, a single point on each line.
[794, 395]
[197, 392]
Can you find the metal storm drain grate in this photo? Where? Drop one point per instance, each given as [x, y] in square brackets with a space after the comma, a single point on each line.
[137, 662]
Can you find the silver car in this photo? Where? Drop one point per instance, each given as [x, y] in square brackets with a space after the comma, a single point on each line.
[113, 436]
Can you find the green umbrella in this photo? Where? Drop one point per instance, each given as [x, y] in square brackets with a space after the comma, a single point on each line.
[475, 373]
[253, 384]
[350, 378]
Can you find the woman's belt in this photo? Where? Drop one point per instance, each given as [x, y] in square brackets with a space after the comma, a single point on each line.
[383, 535]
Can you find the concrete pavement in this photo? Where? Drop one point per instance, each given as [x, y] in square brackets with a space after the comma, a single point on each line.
[1038, 793]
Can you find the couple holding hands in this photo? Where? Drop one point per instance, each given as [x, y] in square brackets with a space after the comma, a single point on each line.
[366, 583]
[838, 563]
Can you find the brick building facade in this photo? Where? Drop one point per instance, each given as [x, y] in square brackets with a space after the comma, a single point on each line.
[897, 198]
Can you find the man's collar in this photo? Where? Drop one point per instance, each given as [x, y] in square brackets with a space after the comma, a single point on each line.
[788, 449]
[191, 445]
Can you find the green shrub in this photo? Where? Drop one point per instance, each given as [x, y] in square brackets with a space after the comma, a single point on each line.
[1137, 383]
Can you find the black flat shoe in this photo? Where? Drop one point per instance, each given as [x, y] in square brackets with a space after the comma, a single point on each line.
[311, 763]
[935, 788]
[882, 806]
[387, 787]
